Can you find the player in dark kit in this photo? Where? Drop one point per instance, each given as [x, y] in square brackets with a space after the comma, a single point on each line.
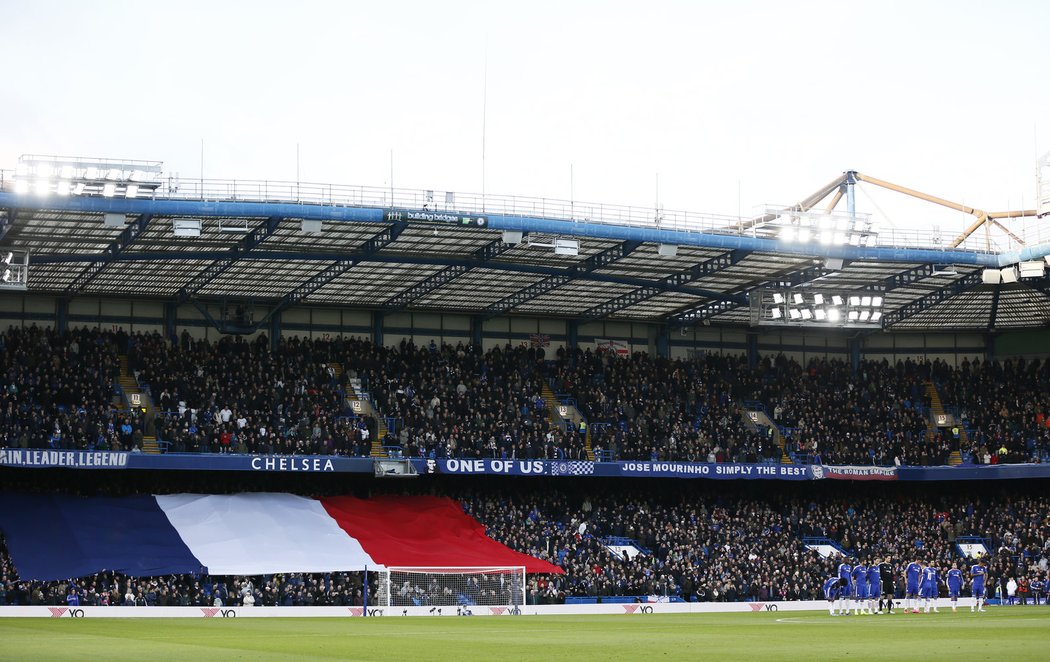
[887, 586]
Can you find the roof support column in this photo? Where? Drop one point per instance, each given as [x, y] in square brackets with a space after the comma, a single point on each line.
[62, 315]
[663, 341]
[171, 310]
[476, 324]
[275, 331]
[377, 328]
[752, 350]
[854, 353]
[573, 328]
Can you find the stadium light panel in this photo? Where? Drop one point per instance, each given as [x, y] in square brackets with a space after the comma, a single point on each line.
[876, 302]
[864, 315]
[803, 235]
[991, 276]
[67, 172]
[840, 238]
[795, 313]
[92, 173]
[109, 190]
[21, 186]
[62, 188]
[852, 316]
[865, 301]
[775, 313]
[787, 234]
[820, 315]
[1009, 274]
[778, 297]
[79, 188]
[132, 191]
[807, 314]
[8, 257]
[876, 316]
[825, 223]
[836, 300]
[798, 299]
[22, 170]
[113, 174]
[825, 237]
[42, 187]
[818, 299]
[854, 301]
[834, 315]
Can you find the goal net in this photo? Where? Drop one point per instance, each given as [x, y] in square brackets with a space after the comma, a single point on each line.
[497, 586]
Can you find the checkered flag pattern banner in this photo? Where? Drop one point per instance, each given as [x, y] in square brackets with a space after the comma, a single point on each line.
[572, 468]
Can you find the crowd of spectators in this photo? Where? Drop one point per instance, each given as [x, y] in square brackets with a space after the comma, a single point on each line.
[238, 396]
[691, 544]
[56, 391]
[234, 396]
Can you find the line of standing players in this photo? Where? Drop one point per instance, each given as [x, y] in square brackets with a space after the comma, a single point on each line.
[868, 589]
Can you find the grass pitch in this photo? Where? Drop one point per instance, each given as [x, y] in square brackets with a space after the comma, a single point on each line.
[1017, 633]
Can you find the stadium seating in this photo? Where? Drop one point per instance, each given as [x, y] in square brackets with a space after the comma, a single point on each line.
[453, 401]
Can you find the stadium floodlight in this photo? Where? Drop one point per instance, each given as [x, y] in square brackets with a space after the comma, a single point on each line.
[807, 314]
[864, 315]
[78, 189]
[799, 300]
[836, 300]
[42, 187]
[8, 257]
[876, 302]
[109, 190]
[62, 188]
[1009, 274]
[1032, 269]
[834, 315]
[774, 313]
[21, 186]
[67, 172]
[131, 191]
[818, 299]
[788, 234]
[854, 301]
[803, 235]
[852, 316]
[820, 314]
[991, 276]
[113, 174]
[876, 316]
[795, 314]
[865, 301]
[778, 298]
[826, 237]
[839, 238]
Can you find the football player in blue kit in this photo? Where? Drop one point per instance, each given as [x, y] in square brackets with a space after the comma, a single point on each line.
[874, 584]
[860, 588]
[845, 572]
[928, 589]
[954, 582]
[978, 573]
[832, 590]
[912, 574]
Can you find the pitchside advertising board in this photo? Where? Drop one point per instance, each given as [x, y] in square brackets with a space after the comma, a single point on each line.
[47, 459]
[636, 610]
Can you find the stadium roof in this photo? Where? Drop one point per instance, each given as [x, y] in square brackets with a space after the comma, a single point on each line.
[393, 250]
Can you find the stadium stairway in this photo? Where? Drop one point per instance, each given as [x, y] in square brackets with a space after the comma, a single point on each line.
[133, 393]
[572, 417]
[936, 411]
[756, 420]
[363, 407]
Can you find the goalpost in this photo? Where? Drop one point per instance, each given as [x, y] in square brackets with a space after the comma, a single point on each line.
[463, 588]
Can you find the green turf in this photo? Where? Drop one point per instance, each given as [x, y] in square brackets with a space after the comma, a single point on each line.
[1013, 634]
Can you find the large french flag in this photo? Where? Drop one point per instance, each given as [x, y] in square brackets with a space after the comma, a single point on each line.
[59, 536]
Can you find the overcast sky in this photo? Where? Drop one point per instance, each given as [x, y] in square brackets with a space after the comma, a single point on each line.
[733, 104]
